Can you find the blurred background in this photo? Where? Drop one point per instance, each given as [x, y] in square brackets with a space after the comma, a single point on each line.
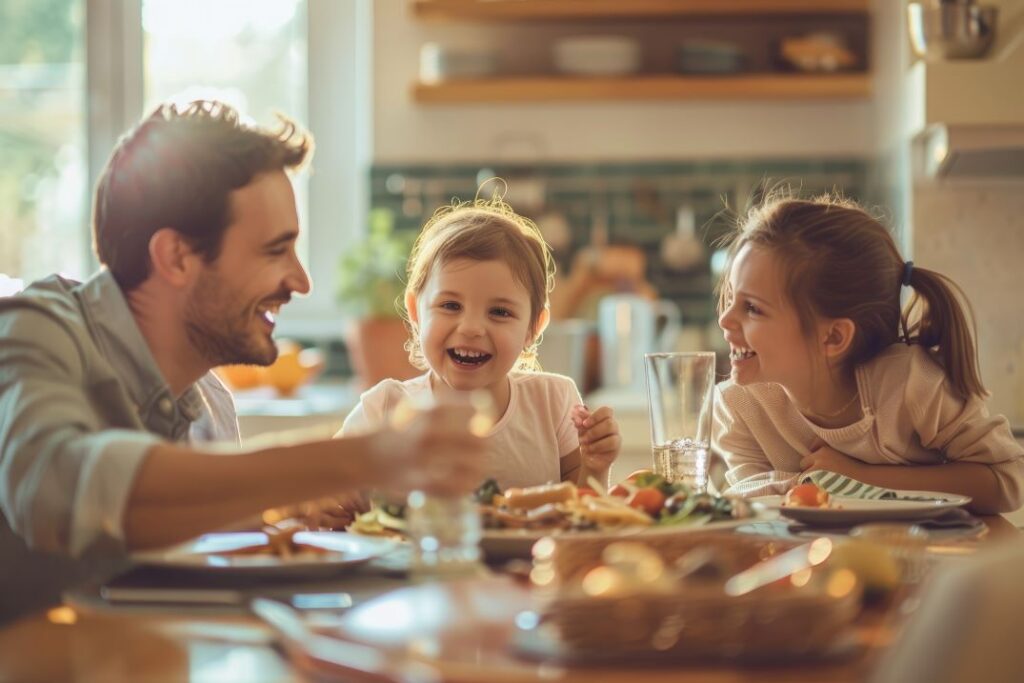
[631, 131]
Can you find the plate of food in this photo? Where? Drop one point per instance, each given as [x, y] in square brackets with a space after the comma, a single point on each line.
[278, 553]
[812, 505]
[515, 519]
[645, 503]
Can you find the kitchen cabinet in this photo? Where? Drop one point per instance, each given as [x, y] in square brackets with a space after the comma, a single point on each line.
[659, 81]
[564, 88]
[503, 10]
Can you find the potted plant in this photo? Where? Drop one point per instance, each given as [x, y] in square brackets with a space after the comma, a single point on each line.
[370, 288]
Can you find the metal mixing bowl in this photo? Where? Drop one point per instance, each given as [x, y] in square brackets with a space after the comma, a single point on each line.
[941, 29]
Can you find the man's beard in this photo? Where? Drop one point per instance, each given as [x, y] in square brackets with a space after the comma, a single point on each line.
[221, 328]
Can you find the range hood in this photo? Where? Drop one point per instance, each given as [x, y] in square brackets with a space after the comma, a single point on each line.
[971, 151]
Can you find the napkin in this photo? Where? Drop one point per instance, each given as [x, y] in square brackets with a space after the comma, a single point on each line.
[841, 485]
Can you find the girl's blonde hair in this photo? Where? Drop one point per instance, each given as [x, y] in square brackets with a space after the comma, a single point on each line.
[840, 262]
[482, 230]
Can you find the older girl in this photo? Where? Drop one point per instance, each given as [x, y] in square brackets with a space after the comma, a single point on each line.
[828, 372]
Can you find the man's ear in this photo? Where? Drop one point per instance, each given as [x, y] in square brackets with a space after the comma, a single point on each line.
[838, 336]
[410, 307]
[542, 324]
[172, 256]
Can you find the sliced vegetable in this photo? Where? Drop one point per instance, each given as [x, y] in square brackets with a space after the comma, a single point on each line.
[486, 492]
[649, 499]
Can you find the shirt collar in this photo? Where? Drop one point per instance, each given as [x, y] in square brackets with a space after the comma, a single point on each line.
[118, 336]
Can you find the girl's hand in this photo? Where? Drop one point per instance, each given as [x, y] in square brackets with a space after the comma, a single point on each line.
[600, 440]
[827, 458]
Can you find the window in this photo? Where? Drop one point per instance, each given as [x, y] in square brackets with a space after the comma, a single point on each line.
[44, 215]
[250, 54]
[309, 59]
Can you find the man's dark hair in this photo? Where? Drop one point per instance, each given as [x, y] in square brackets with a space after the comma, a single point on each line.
[176, 170]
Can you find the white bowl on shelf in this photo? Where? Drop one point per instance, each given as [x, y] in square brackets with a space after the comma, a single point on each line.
[597, 56]
[442, 62]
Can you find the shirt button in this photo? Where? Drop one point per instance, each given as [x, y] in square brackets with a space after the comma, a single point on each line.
[165, 406]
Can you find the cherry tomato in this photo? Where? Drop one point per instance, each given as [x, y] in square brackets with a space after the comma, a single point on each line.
[806, 495]
[650, 500]
[618, 490]
[585, 491]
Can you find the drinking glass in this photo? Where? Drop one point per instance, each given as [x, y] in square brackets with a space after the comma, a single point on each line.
[680, 390]
[445, 531]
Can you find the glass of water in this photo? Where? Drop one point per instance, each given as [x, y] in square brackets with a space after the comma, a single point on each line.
[445, 531]
[680, 391]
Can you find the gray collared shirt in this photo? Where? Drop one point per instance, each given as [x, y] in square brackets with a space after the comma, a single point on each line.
[81, 403]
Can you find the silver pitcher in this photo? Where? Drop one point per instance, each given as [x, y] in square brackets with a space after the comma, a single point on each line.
[628, 328]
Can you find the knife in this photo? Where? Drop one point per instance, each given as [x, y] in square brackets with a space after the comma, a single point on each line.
[335, 658]
[779, 567]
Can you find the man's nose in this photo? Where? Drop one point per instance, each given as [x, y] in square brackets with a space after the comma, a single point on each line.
[298, 280]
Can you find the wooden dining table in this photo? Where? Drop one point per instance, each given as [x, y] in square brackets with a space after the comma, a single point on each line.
[465, 638]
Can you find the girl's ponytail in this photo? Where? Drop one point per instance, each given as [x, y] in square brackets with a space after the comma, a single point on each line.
[938, 316]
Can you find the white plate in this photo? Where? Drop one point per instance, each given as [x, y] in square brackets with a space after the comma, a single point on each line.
[208, 554]
[502, 544]
[844, 511]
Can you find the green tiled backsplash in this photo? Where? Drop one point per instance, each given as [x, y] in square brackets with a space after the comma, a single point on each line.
[637, 202]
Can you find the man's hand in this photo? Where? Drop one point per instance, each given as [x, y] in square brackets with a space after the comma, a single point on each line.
[435, 452]
[333, 513]
[827, 458]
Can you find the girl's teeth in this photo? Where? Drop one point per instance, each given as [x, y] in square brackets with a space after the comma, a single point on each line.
[741, 354]
[465, 355]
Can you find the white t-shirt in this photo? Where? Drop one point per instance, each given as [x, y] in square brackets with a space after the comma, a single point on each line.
[527, 443]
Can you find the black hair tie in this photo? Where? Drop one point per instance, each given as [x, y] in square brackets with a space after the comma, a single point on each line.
[908, 268]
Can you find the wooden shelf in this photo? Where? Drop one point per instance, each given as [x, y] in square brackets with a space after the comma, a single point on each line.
[563, 88]
[511, 10]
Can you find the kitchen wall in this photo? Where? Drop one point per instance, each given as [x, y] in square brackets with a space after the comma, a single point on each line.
[971, 230]
[408, 133]
[973, 233]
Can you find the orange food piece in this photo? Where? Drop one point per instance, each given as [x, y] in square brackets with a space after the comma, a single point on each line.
[293, 368]
[806, 495]
[650, 500]
[241, 376]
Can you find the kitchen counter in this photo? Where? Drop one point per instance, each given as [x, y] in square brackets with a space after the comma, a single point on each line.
[317, 408]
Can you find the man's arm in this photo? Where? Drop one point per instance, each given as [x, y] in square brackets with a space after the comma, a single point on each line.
[67, 479]
[179, 492]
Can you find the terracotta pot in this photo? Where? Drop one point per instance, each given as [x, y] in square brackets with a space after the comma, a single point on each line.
[376, 349]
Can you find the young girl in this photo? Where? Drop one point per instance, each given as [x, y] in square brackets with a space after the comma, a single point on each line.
[829, 374]
[477, 303]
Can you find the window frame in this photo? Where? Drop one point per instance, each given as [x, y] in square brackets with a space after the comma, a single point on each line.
[340, 103]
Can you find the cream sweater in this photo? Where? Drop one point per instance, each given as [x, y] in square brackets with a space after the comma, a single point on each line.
[911, 416]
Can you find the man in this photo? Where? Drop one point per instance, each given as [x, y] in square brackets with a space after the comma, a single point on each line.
[105, 386]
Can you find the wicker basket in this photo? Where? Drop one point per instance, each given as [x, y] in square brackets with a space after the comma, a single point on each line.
[698, 619]
[572, 555]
